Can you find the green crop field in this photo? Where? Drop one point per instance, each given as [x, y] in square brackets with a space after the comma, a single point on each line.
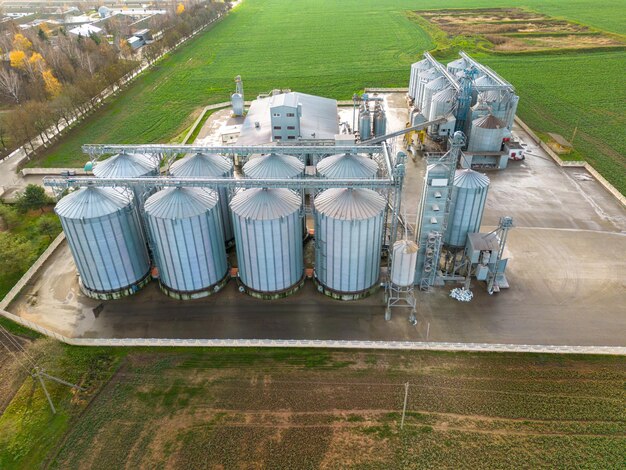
[336, 48]
[307, 409]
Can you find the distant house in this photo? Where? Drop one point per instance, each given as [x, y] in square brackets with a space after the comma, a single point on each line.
[139, 39]
[85, 30]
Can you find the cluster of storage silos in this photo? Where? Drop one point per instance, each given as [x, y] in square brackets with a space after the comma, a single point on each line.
[114, 233]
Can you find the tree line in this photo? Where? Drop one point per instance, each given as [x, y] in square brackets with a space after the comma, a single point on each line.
[50, 78]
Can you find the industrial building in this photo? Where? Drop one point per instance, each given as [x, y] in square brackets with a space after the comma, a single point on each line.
[471, 98]
[240, 211]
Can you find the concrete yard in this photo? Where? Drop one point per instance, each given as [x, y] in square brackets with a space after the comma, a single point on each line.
[567, 272]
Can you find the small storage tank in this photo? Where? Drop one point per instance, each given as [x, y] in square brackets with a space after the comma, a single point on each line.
[430, 89]
[365, 124]
[458, 65]
[347, 165]
[186, 229]
[237, 103]
[416, 69]
[104, 235]
[380, 122]
[404, 260]
[209, 165]
[348, 240]
[469, 194]
[425, 77]
[486, 134]
[274, 165]
[268, 235]
[126, 165]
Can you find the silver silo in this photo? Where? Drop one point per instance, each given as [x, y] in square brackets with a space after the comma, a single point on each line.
[275, 165]
[348, 239]
[188, 241]
[365, 123]
[430, 89]
[105, 237]
[469, 194]
[129, 165]
[347, 165]
[425, 77]
[416, 69]
[442, 104]
[268, 235]
[458, 65]
[486, 134]
[209, 165]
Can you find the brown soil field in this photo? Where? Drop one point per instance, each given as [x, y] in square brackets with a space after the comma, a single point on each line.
[242, 409]
[501, 26]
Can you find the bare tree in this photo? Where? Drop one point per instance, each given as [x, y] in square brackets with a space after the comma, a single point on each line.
[10, 84]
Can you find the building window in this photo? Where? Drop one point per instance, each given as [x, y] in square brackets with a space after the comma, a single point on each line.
[291, 115]
[291, 137]
[277, 128]
[277, 137]
[291, 128]
[276, 114]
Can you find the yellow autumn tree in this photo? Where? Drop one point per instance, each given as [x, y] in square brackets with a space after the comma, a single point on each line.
[21, 42]
[180, 9]
[52, 85]
[18, 59]
[37, 61]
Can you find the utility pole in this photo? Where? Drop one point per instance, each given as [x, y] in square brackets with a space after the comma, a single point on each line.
[406, 398]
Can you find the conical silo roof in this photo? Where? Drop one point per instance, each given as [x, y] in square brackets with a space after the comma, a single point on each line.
[430, 74]
[490, 96]
[125, 165]
[349, 203]
[207, 165]
[446, 95]
[275, 165]
[265, 203]
[423, 64]
[484, 80]
[489, 122]
[347, 165]
[470, 179]
[460, 63]
[437, 84]
[180, 203]
[91, 202]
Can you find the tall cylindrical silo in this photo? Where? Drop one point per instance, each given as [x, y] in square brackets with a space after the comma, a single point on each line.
[430, 89]
[186, 229]
[425, 77]
[275, 165]
[486, 134]
[469, 194]
[416, 69]
[348, 240]
[104, 235]
[442, 104]
[208, 165]
[268, 235]
[347, 165]
[365, 124]
[403, 262]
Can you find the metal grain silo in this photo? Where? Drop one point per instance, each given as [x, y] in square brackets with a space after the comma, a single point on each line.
[275, 165]
[425, 77]
[348, 239]
[237, 103]
[365, 124]
[188, 241]
[416, 69]
[347, 165]
[469, 194]
[442, 104]
[127, 165]
[458, 65]
[105, 237]
[209, 165]
[430, 89]
[380, 122]
[268, 235]
[486, 134]
[404, 260]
